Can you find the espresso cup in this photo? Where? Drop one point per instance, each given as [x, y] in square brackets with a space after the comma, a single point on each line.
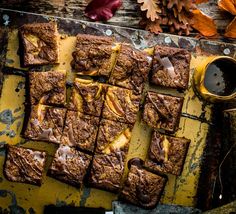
[215, 78]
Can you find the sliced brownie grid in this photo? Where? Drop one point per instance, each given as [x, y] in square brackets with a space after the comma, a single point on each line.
[80, 130]
[69, 165]
[87, 97]
[40, 43]
[24, 165]
[47, 88]
[93, 55]
[143, 188]
[45, 123]
[171, 67]
[121, 105]
[131, 69]
[167, 154]
[162, 111]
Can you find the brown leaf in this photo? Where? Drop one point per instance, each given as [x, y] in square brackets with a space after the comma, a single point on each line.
[151, 7]
[231, 29]
[228, 5]
[203, 23]
[200, 1]
[154, 27]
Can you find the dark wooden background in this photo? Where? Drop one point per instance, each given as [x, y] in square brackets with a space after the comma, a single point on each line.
[128, 15]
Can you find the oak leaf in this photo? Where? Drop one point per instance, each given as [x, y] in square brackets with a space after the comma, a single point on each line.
[231, 29]
[203, 23]
[228, 5]
[102, 10]
[151, 7]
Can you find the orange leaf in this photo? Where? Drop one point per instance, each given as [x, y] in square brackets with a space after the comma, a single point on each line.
[200, 1]
[228, 5]
[203, 23]
[151, 7]
[231, 29]
[154, 27]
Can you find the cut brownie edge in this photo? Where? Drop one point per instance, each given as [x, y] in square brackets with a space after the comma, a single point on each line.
[40, 43]
[69, 166]
[171, 67]
[107, 171]
[113, 137]
[167, 154]
[80, 131]
[45, 124]
[142, 187]
[24, 165]
[162, 111]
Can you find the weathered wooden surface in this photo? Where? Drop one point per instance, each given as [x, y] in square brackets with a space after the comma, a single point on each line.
[129, 14]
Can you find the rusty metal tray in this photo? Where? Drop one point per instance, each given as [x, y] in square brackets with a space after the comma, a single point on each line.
[194, 123]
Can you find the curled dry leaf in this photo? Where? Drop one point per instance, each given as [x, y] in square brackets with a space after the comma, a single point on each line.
[151, 7]
[228, 5]
[231, 29]
[203, 23]
[102, 10]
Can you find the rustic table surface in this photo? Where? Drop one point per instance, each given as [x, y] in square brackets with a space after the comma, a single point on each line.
[128, 15]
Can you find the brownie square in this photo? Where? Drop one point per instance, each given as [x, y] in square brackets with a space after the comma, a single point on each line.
[45, 123]
[69, 165]
[40, 44]
[24, 165]
[171, 67]
[47, 88]
[131, 69]
[167, 154]
[162, 111]
[93, 55]
[143, 188]
[113, 137]
[80, 130]
[121, 105]
[107, 171]
[87, 97]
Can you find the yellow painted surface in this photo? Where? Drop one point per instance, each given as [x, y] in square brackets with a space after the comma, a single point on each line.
[179, 190]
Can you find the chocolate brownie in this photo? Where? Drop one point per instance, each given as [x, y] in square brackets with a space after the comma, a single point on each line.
[24, 165]
[143, 188]
[87, 97]
[171, 67]
[40, 43]
[47, 88]
[131, 69]
[121, 105]
[162, 111]
[113, 137]
[93, 55]
[69, 165]
[45, 123]
[107, 171]
[167, 154]
[80, 130]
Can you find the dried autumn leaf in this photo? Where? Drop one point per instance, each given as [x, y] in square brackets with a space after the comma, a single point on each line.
[231, 29]
[200, 1]
[102, 10]
[154, 27]
[203, 23]
[151, 7]
[228, 5]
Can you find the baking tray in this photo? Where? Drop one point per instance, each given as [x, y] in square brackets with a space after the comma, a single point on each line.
[194, 123]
